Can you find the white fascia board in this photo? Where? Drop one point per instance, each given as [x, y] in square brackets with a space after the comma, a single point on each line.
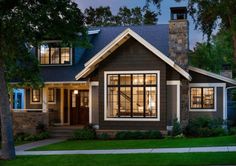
[92, 32]
[213, 75]
[128, 31]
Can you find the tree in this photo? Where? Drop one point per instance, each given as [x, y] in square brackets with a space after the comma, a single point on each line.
[208, 13]
[125, 16]
[150, 18]
[213, 55]
[137, 16]
[24, 24]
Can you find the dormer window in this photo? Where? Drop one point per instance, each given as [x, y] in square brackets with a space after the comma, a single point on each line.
[54, 53]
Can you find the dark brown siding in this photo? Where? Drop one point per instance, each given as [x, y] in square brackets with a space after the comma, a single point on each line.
[172, 74]
[128, 57]
[95, 105]
[219, 108]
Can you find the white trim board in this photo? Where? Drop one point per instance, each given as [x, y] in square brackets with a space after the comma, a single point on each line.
[213, 75]
[132, 72]
[119, 40]
[177, 83]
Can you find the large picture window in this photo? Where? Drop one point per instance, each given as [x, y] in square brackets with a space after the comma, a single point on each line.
[133, 95]
[54, 54]
[202, 98]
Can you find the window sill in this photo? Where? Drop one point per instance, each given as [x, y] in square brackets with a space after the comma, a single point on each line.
[132, 119]
[202, 110]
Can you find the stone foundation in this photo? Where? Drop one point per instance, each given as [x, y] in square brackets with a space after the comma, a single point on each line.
[27, 121]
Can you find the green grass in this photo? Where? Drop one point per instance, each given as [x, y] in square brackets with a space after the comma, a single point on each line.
[139, 144]
[126, 160]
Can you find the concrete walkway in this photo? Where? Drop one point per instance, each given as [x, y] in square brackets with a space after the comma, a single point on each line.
[22, 149]
[132, 151]
[27, 146]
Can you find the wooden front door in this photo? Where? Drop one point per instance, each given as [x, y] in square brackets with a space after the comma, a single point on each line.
[79, 113]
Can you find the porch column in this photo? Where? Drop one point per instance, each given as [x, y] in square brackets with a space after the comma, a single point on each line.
[62, 106]
[45, 99]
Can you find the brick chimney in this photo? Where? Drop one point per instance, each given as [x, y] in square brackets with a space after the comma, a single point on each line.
[179, 36]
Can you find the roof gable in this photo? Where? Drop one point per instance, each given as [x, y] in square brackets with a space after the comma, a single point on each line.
[90, 65]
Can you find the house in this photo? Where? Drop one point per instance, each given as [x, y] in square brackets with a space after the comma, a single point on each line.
[133, 78]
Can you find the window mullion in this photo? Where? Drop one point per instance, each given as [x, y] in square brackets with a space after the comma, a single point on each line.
[144, 95]
[119, 96]
[131, 95]
[202, 97]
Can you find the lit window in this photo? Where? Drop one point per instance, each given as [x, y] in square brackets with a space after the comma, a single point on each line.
[202, 98]
[54, 53]
[131, 96]
[35, 95]
[51, 95]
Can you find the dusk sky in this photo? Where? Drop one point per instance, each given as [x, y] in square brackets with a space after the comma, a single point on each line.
[195, 35]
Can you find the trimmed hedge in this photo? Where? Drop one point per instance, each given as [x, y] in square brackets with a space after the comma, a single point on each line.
[31, 137]
[125, 135]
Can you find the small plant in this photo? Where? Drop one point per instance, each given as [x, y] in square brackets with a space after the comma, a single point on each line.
[31, 137]
[41, 127]
[177, 129]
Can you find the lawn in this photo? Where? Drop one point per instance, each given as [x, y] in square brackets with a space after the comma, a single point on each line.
[139, 144]
[126, 160]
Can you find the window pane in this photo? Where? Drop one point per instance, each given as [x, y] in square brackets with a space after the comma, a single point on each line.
[54, 55]
[125, 102]
[65, 55]
[150, 79]
[84, 99]
[112, 102]
[112, 79]
[138, 102]
[138, 79]
[208, 97]
[36, 95]
[51, 95]
[196, 97]
[44, 54]
[73, 101]
[151, 101]
[125, 79]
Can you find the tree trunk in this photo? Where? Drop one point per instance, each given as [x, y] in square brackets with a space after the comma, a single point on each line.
[8, 149]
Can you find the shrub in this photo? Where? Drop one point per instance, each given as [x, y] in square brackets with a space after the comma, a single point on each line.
[30, 137]
[41, 127]
[232, 131]
[204, 127]
[125, 135]
[177, 129]
[103, 136]
[84, 134]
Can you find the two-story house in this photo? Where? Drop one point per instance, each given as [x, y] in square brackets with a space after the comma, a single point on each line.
[133, 78]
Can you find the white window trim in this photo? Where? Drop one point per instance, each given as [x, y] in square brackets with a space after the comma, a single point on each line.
[177, 83]
[41, 97]
[132, 72]
[205, 85]
[55, 96]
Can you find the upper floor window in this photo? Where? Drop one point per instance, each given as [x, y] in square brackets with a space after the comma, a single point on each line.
[54, 54]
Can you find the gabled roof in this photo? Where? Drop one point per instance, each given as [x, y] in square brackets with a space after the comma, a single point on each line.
[213, 75]
[90, 65]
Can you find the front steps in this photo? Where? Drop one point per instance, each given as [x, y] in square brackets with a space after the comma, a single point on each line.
[63, 131]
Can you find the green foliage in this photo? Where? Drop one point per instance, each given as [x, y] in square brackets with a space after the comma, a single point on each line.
[204, 127]
[125, 135]
[31, 137]
[212, 56]
[103, 136]
[84, 134]
[232, 131]
[102, 16]
[26, 24]
[177, 129]
[41, 127]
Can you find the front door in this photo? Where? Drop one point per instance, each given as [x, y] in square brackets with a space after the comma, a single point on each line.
[79, 112]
